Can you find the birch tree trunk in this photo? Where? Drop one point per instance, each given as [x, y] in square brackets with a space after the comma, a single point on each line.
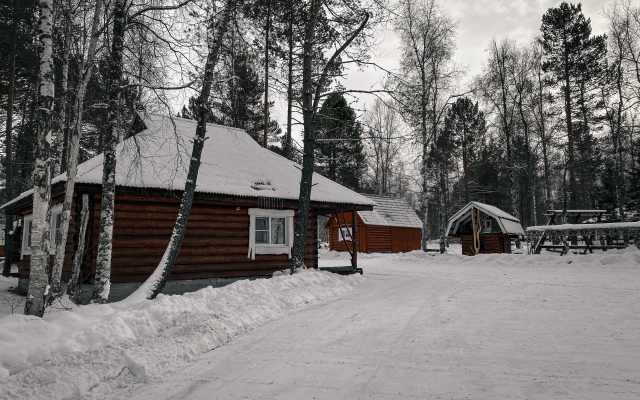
[74, 146]
[102, 281]
[60, 117]
[39, 279]
[153, 286]
[74, 280]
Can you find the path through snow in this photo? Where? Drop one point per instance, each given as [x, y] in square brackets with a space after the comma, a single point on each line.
[444, 327]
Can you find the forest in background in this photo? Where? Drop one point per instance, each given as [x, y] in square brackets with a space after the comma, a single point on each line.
[551, 124]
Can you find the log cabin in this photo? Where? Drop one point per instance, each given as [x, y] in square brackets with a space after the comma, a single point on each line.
[241, 222]
[484, 229]
[391, 227]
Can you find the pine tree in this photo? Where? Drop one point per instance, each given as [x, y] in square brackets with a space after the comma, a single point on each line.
[342, 150]
[571, 58]
[466, 124]
[238, 102]
[16, 48]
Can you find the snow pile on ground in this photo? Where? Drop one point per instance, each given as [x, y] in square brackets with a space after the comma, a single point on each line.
[70, 353]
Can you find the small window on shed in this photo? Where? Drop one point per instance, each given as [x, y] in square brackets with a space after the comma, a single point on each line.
[344, 234]
[487, 225]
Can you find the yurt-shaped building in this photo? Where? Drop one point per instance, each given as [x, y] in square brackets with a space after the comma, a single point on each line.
[484, 229]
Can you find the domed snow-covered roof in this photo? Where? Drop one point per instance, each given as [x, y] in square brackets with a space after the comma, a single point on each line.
[506, 223]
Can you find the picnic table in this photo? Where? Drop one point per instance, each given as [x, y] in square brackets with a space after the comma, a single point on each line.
[590, 233]
[574, 216]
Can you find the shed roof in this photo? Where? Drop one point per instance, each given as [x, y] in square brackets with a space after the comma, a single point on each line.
[232, 163]
[390, 211]
[507, 222]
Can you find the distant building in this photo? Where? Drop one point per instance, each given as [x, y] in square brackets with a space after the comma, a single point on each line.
[493, 229]
[392, 226]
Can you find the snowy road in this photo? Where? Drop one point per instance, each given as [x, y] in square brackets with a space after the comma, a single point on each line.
[498, 327]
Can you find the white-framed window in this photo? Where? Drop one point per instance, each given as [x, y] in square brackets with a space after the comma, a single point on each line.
[27, 233]
[487, 225]
[270, 232]
[345, 233]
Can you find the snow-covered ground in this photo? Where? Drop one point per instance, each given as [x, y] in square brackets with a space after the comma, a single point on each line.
[415, 326]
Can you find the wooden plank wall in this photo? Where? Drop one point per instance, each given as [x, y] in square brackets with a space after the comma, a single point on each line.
[405, 239]
[379, 239]
[338, 245]
[345, 219]
[215, 244]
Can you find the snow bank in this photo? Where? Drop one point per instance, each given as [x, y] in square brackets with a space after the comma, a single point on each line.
[624, 258]
[69, 353]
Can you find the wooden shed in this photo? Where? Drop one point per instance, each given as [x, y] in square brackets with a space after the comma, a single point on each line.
[241, 223]
[483, 229]
[392, 226]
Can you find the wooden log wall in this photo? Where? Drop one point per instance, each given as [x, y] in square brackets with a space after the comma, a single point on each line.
[215, 244]
[490, 244]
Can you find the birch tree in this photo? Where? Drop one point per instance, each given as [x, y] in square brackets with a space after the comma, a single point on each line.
[124, 14]
[40, 236]
[383, 147]
[86, 69]
[427, 44]
[102, 280]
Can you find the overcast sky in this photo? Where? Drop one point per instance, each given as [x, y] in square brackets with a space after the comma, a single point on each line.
[478, 22]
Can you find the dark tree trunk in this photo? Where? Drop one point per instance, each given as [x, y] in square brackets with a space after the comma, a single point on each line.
[265, 143]
[570, 138]
[8, 162]
[308, 117]
[287, 150]
[310, 104]
[154, 285]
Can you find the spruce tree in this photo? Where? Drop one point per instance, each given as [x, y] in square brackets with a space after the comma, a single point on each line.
[342, 152]
[466, 124]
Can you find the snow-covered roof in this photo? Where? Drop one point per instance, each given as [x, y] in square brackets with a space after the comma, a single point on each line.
[508, 223]
[390, 211]
[232, 163]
